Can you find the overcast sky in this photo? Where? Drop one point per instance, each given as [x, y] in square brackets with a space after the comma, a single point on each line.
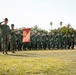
[28, 13]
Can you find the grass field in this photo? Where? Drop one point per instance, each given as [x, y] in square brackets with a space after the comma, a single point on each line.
[41, 62]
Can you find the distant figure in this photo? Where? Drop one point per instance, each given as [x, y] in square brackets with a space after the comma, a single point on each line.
[0, 41]
[13, 39]
[5, 35]
[19, 40]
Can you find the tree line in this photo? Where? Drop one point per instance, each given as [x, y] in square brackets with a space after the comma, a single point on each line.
[63, 29]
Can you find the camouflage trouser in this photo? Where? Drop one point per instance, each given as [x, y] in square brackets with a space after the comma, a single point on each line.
[5, 44]
[72, 44]
[0, 43]
[13, 45]
[48, 45]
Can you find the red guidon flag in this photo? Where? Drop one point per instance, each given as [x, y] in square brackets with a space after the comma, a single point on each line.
[26, 35]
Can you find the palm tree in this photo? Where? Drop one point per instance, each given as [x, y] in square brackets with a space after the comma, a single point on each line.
[51, 23]
[61, 23]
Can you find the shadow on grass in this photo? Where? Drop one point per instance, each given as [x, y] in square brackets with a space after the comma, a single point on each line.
[25, 55]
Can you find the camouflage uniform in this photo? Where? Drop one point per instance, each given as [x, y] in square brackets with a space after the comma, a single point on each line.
[13, 39]
[34, 41]
[65, 41]
[61, 41]
[48, 41]
[19, 40]
[57, 40]
[0, 41]
[43, 42]
[68, 41]
[53, 41]
[5, 36]
[72, 41]
[39, 41]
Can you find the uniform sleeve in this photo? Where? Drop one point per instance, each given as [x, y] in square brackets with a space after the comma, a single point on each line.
[9, 29]
[0, 26]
